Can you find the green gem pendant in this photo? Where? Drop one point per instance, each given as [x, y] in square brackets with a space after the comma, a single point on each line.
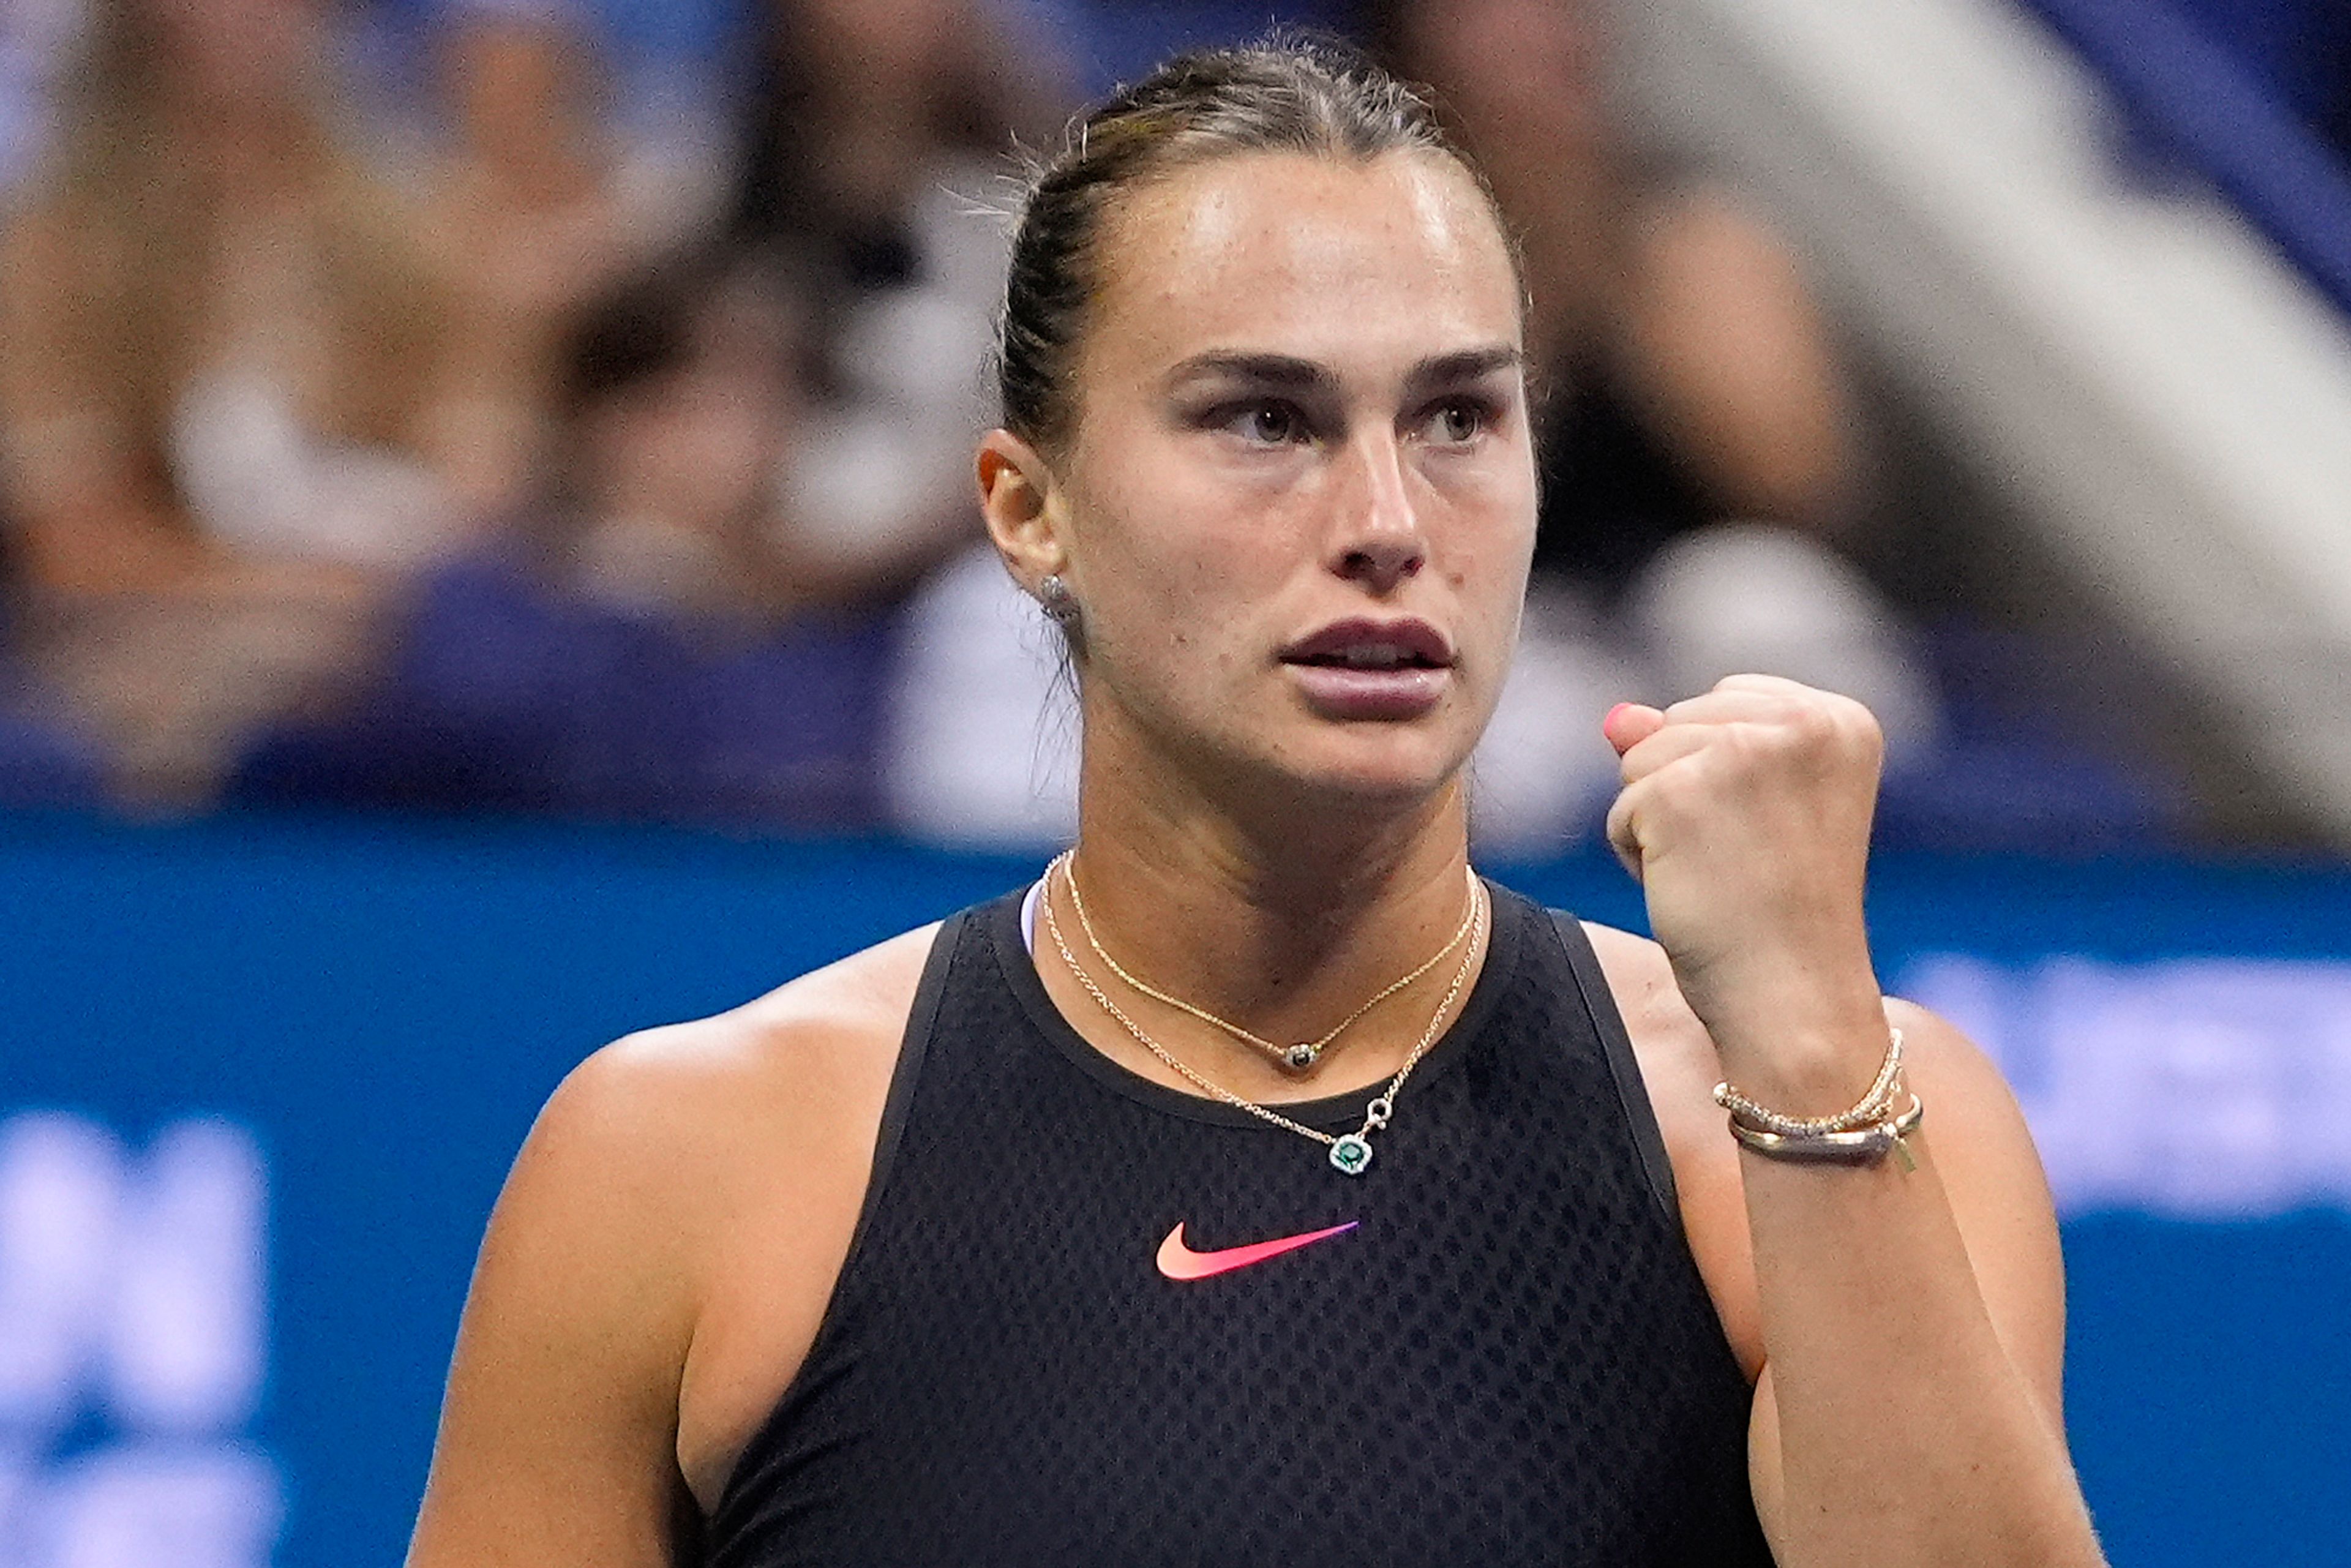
[1351, 1154]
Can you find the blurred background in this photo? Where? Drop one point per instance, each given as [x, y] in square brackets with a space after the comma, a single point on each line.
[487, 562]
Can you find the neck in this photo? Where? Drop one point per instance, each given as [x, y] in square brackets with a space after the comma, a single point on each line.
[1282, 922]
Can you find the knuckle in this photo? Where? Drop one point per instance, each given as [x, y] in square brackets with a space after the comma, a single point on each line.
[1814, 725]
[1751, 743]
[1854, 729]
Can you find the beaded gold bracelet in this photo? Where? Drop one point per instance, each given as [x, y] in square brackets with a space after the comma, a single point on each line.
[1873, 1108]
[1864, 1145]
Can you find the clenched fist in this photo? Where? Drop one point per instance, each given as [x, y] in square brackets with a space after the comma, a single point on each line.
[1745, 815]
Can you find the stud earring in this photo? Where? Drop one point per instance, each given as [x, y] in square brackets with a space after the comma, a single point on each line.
[1060, 606]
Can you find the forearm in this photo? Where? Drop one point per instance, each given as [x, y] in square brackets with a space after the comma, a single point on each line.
[1896, 1426]
[1897, 1429]
[1908, 1310]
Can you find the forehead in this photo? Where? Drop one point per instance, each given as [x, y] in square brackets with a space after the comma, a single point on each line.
[1354, 264]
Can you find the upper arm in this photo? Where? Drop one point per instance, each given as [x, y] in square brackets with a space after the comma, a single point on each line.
[556, 1444]
[654, 1271]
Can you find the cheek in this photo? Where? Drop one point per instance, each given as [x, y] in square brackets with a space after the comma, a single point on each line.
[1485, 571]
[1190, 605]
[1169, 551]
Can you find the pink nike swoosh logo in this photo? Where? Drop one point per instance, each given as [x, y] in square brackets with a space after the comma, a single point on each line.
[1178, 1261]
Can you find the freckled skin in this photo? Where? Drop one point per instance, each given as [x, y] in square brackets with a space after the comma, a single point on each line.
[1199, 558]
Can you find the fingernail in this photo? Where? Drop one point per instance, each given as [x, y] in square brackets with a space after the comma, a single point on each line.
[1610, 722]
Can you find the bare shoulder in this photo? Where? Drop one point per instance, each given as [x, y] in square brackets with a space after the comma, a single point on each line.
[1982, 1151]
[656, 1168]
[677, 1104]
[811, 1015]
[1677, 1061]
[859, 991]
[666, 1144]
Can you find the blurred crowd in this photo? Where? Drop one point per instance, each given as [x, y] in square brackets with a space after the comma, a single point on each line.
[568, 404]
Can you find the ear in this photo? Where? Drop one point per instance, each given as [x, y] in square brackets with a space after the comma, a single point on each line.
[1017, 500]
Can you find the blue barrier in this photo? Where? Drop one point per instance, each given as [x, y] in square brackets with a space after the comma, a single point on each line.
[340, 1028]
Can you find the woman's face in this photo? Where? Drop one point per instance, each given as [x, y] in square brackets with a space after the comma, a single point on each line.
[1300, 499]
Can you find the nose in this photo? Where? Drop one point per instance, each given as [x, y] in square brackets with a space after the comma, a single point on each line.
[1378, 539]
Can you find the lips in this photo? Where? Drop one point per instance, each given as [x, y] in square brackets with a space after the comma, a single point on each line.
[1362, 668]
[1361, 643]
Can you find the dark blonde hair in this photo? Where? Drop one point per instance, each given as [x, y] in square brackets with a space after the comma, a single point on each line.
[1287, 95]
[123, 196]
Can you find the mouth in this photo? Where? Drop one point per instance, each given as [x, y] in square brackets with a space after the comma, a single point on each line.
[1371, 656]
[1364, 645]
[1371, 670]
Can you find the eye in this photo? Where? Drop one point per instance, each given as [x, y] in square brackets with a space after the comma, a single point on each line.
[1459, 421]
[1269, 421]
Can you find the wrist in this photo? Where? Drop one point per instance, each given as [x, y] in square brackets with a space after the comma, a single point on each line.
[1804, 1059]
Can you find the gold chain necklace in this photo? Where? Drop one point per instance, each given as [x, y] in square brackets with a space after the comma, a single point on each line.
[1351, 1153]
[1296, 1058]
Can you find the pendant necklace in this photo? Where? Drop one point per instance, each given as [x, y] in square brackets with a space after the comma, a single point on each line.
[1350, 1153]
[1297, 1058]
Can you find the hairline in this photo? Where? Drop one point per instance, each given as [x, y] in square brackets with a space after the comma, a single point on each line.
[1116, 212]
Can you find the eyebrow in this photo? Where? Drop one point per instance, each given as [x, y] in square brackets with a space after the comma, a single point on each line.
[1290, 370]
[1263, 370]
[1467, 365]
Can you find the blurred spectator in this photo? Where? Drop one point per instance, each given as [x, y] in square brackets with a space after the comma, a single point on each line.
[538, 205]
[2296, 51]
[632, 645]
[981, 747]
[664, 77]
[876, 136]
[45, 759]
[681, 393]
[1699, 450]
[1114, 41]
[217, 341]
[2329, 45]
[880, 149]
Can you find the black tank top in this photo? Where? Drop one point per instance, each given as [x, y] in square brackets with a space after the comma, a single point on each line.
[1508, 1358]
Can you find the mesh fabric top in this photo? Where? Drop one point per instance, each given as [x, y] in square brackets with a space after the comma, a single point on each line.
[1509, 1358]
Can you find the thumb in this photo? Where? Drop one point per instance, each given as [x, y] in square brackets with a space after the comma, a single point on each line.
[1624, 835]
[1629, 724]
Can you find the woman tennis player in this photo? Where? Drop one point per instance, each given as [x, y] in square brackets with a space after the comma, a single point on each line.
[1262, 1184]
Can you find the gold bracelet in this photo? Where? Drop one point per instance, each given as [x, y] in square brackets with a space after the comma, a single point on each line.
[1874, 1107]
[1864, 1145]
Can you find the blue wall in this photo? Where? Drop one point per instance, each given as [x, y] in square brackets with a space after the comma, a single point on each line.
[383, 1004]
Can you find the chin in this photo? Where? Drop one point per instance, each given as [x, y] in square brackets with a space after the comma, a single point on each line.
[1381, 772]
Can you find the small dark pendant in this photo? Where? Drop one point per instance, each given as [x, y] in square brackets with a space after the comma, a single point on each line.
[1299, 1058]
[1351, 1154]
